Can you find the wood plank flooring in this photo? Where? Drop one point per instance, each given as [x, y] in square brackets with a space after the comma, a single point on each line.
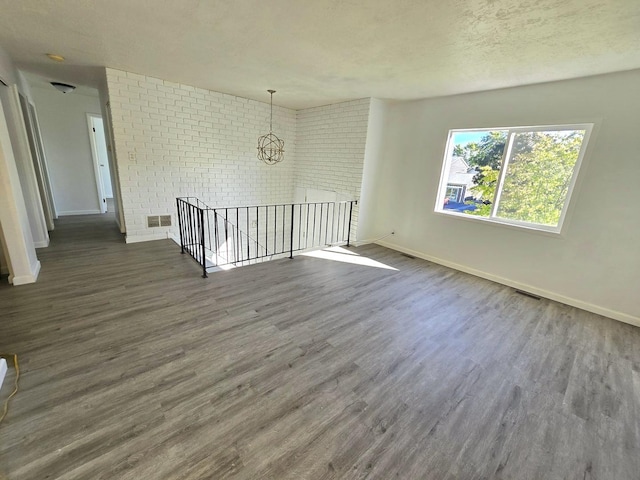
[134, 367]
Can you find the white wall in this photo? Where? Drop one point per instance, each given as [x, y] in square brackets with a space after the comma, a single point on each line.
[369, 229]
[330, 149]
[105, 107]
[18, 250]
[595, 264]
[65, 134]
[24, 164]
[8, 72]
[15, 231]
[175, 140]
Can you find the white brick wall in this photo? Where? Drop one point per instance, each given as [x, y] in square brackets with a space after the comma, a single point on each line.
[330, 145]
[175, 140]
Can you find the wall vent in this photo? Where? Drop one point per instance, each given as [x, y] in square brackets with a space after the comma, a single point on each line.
[154, 221]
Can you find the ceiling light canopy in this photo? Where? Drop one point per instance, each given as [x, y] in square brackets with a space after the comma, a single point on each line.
[270, 147]
[63, 87]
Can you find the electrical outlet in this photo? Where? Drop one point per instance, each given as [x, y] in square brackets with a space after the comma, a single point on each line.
[132, 156]
[254, 224]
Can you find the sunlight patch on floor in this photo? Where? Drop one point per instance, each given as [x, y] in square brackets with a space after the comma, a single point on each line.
[340, 254]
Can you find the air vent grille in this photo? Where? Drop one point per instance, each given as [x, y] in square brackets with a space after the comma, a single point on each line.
[154, 221]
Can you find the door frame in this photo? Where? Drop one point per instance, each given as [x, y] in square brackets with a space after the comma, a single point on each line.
[39, 160]
[102, 199]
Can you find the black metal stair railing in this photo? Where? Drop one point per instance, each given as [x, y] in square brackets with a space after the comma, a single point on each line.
[243, 235]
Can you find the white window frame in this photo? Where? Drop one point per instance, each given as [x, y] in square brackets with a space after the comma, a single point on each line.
[511, 131]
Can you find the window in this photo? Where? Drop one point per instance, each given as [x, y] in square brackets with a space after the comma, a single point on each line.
[455, 193]
[519, 176]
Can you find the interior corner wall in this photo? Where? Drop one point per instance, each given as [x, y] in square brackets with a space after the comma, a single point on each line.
[65, 134]
[8, 72]
[370, 201]
[105, 108]
[595, 263]
[330, 149]
[174, 140]
[18, 249]
[24, 164]
[15, 230]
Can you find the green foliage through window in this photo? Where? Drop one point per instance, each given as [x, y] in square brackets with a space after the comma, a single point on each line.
[538, 169]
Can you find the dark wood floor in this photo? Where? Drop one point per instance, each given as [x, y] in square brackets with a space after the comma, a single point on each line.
[134, 367]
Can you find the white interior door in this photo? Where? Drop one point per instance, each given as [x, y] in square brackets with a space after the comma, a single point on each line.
[103, 157]
[100, 159]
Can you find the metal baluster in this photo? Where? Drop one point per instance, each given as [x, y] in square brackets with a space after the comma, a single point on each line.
[315, 210]
[306, 231]
[216, 238]
[291, 238]
[333, 222]
[248, 252]
[180, 226]
[204, 259]
[209, 226]
[299, 226]
[226, 232]
[339, 222]
[266, 229]
[238, 239]
[326, 227]
[349, 231]
[190, 224]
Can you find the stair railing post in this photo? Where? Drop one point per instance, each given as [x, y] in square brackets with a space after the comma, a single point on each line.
[349, 228]
[216, 242]
[204, 258]
[291, 244]
[180, 226]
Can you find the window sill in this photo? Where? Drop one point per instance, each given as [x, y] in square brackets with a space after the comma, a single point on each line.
[554, 232]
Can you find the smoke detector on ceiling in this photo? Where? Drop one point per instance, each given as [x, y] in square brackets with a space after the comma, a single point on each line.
[63, 87]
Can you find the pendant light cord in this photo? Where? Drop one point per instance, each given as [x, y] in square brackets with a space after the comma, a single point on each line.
[271, 119]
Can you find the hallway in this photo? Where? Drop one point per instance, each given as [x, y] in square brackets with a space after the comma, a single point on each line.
[134, 367]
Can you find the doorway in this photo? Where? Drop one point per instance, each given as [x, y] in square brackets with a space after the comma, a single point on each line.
[39, 162]
[101, 162]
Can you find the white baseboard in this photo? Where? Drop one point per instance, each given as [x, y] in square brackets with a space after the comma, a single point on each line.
[148, 238]
[574, 302]
[79, 212]
[3, 370]
[25, 279]
[42, 244]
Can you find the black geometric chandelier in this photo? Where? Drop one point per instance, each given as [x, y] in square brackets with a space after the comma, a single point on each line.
[270, 147]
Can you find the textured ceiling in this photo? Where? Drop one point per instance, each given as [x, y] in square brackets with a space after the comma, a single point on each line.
[324, 51]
